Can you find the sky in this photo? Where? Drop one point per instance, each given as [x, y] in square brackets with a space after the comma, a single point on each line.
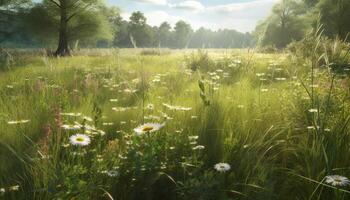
[241, 15]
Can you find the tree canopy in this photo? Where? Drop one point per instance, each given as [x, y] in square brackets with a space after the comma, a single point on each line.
[290, 20]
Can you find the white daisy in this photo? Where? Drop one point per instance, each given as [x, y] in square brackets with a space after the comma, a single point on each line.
[193, 137]
[313, 110]
[337, 180]
[71, 127]
[150, 106]
[23, 121]
[222, 167]
[148, 128]
[79, 140]
[14, 188]
[112, 173]
[198, 147]
[71, 114]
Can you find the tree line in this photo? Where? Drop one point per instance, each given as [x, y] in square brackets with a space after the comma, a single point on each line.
[90, 23]
[291, 20]
[68, 24]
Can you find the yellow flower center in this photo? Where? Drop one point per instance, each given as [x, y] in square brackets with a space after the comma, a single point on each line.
[337, 180]
[147, 128]
[79, 139]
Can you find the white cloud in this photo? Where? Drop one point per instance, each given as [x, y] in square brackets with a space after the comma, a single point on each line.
[155, 18]
[125, 15]
[156, 2]
[241, 16]
[188, 5]
[243, 6]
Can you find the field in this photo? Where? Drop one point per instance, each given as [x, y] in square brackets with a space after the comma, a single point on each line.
[278, 124]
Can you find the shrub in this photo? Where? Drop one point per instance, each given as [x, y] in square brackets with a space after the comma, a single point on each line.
[199, 61]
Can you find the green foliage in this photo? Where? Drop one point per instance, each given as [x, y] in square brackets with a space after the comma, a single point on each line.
[291, 20]
[285, 24]
[182, 34]
[139, 30]
[261, 121]
[200, 61]
[164, 35]
[87, 23]
[335, 17]
[11, 23]
[332, 52]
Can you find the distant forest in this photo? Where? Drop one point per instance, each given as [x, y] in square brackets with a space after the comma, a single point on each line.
[28, 24]
[91, 23]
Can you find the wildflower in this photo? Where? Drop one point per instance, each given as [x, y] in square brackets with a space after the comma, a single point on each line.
[71, 114]
[150, 106]
[14, 188]
[166, 116]
[198, 147]
[237, 61]
[120, 109]
[222, 167]
[112, 173]
[2, 190]
[337, 180]
[312, 127]
[87, 118]
[152, 117]
[19, 121]
[79, 140]
[313, 110]
[71, 127]
[65, 145]
[264, 90]
[281, 79]
[171, 107]
[194, 137]
[148, 128]
[113, 100]
[107, 124]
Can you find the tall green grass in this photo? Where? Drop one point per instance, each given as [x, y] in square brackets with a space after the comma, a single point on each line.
[252, 111]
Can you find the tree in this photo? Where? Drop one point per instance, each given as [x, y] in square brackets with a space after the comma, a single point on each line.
[122, 38]
[114, 22]
[311, 3]
[164, 34]
[10, 15]
[335, 17]
[139, 31]
[202, 38]
[182, 34]
[72, 20]
[285, 24]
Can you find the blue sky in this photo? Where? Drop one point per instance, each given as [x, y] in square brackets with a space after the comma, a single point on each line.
[241, 15]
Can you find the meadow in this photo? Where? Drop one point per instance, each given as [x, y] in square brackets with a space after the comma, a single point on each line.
[174, 124]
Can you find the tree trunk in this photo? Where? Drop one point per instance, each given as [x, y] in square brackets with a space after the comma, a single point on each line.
[63, 49]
